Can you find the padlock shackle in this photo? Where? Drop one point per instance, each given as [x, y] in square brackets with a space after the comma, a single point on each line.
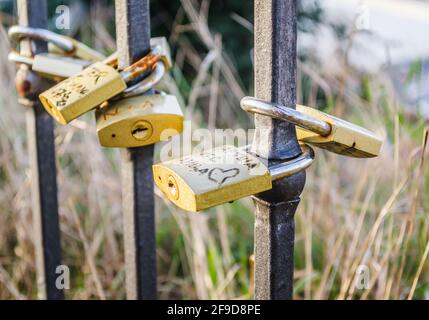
[147, 83]
[293, 166]
[138, 68]
[254, 105]
[17, 33]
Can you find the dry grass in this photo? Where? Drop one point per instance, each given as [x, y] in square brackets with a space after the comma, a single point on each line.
[352, 213]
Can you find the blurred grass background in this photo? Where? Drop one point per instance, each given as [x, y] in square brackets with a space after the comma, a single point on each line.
[353, 212]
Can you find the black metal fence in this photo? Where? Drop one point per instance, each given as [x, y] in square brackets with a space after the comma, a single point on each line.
[275, 64]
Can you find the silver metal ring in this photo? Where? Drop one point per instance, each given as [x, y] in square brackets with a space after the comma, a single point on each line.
[147, 83]
[291, 167]
[17, 33]
[251, 104]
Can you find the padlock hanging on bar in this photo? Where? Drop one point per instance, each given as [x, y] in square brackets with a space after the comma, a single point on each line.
[320, 129]
[96, 84]
[138, 121]
[57, 43]
[220, 175]
[51, 66]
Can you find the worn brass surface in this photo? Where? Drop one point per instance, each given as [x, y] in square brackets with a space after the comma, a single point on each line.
[345, 138]
[204, 180]
[320, 129]
[77, 95]
[220, 175]
[139, 121]
[55, 66]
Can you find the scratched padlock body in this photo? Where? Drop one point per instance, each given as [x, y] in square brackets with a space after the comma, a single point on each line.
[345, 138]
[220, 175]
[79, 94]
[96, 84]
[139, 121]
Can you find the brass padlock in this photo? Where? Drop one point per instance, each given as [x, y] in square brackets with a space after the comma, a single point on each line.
[96, 84]
[345, 138]
[56, 43]
[221, 175]
[320, 129]
[51, 66]
[139, 121]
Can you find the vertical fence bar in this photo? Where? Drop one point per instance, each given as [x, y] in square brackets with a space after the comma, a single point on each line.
[40, 130]
[133, 41]
[275, 80]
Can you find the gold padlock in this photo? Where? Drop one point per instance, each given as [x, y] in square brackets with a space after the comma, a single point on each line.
[97, 83]
[139, 121]
[221, 175]
[56, 43]
[320, 129]
[51, 66]
[345, 138]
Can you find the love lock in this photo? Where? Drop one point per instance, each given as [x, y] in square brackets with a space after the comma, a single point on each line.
[221, 175]
[139, 121]
[96, 84]
[320, 129]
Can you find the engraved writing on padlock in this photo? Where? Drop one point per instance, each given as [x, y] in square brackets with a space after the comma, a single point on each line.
[139, 121]
[220, 175]
[344, 138]
[320, 129]
[50, 65]
[79, 94]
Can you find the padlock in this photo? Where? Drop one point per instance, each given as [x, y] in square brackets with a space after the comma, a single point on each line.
[139, 121]
[221, 175]
[56, 43]
[97, 83]
[51, 66]
[320, 129]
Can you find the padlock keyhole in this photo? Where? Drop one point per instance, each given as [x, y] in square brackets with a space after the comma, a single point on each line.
[142, 130]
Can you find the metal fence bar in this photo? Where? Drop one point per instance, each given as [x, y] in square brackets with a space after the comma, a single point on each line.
[40, 130]
[133, 41]
[275, 80]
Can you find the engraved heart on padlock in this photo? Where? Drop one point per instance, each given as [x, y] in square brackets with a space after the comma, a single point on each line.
[219, 176]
